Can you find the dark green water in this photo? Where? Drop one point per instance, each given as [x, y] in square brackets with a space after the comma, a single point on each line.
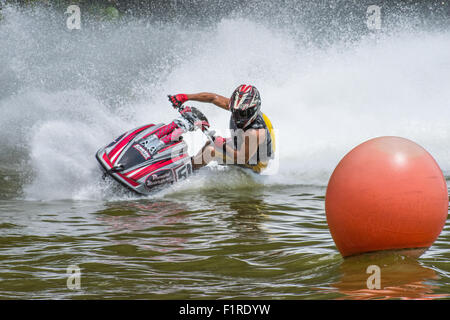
[269, 242]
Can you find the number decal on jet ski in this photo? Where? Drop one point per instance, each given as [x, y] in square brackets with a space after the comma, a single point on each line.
[183, 171]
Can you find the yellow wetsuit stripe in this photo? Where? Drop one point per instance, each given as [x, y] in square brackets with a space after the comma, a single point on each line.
[271, 131]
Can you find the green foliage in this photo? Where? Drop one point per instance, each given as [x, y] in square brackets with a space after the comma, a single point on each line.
[110, 13]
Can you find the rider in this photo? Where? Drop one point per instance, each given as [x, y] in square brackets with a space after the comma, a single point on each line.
[252, 142]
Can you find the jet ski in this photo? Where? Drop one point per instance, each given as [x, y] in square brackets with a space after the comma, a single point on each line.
[151, 157]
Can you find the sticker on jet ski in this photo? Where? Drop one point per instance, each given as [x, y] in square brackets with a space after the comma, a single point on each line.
[144, 153]
[159, 178]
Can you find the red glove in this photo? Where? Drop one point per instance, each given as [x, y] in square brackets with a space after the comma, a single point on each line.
[219, 141]
[178, 99]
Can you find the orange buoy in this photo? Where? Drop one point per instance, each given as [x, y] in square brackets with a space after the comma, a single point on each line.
[386, 193]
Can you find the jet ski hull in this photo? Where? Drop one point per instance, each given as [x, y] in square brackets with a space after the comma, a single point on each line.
[131, 163]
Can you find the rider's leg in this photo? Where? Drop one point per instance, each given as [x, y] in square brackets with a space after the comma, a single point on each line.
[204, 156]
[209, 153]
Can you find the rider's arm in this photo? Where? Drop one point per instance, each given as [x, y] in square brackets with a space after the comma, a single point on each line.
[253, 138]
[216, 99]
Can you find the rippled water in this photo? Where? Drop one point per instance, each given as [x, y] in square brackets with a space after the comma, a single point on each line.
[243, 242]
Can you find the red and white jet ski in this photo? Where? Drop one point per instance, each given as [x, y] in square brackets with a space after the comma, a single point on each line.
[151, 157]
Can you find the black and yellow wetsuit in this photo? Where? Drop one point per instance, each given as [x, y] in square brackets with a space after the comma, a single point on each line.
[259, 161]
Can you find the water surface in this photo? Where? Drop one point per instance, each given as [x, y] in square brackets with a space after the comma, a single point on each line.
[241, 243]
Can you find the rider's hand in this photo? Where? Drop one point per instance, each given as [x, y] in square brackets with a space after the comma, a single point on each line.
[178, 99]
[219, 141]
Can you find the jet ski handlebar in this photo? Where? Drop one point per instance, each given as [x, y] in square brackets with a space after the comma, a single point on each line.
[194, 116]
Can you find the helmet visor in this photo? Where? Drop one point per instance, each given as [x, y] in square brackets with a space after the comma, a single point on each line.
[243, 115]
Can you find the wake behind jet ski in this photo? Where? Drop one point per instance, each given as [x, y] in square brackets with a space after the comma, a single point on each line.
[150, 157]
